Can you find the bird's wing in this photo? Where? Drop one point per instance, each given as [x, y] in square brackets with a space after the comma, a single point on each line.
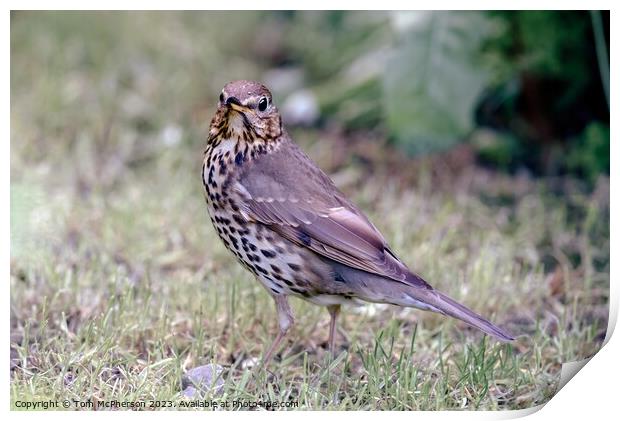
[312, 213]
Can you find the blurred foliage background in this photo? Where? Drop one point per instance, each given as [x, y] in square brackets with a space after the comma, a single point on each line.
[524, 90]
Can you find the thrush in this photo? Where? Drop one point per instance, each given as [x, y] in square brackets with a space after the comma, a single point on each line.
[287, 223]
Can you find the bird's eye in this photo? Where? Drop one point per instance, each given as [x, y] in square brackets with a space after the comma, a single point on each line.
[222, 97]
[262, 104]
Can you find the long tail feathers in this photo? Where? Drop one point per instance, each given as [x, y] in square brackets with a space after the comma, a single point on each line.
[448, 306]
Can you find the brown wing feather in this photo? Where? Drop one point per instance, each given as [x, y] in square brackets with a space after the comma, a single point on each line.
[311, 212]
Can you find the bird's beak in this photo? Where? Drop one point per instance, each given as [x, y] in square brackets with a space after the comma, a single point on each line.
[233, 104]
[237, 107]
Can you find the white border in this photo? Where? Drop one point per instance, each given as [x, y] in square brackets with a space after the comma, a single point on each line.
[315, 5]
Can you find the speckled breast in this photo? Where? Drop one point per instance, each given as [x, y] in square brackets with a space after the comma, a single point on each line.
[278, 264]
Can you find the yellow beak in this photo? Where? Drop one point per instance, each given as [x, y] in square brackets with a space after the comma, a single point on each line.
[238, 108]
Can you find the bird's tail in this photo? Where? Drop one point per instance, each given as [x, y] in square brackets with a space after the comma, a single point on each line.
[443, 304]
[413, 292]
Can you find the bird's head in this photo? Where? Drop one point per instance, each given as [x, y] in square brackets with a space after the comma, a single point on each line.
[246, 112]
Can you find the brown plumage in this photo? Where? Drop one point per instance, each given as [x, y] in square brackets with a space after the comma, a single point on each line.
[287, 223]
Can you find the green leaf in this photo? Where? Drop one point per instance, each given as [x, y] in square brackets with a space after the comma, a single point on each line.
[432, 80]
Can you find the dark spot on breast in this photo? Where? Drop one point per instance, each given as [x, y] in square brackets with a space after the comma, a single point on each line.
[253, 247]
[222, 168]
[261, 270]
[211, 179]
[246, 123]
[239, 158]
[204, 182]
[287, 282]
[339, 278]
[268, 253]
[297, 291]
[295, 267]
[239, 220]
[301, 282]
[276, 269]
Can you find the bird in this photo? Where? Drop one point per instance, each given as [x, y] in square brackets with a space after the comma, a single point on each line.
[286, 222]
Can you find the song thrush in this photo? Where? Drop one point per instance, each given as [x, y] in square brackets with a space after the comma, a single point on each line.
[288, 224]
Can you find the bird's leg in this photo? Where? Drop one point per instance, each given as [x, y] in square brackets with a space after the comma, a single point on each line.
[334, 310]
[285, 321]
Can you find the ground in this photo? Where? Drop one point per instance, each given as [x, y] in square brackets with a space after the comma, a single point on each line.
[119, 284]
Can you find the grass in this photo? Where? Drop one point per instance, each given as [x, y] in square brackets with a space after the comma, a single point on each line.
[119, 284]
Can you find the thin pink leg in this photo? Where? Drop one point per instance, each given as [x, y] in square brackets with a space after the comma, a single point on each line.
[334, 310]
[285, 321]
